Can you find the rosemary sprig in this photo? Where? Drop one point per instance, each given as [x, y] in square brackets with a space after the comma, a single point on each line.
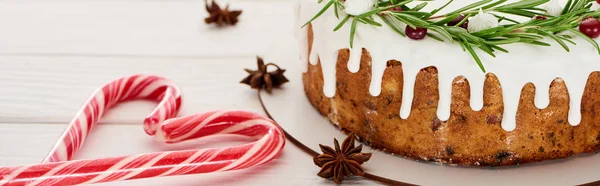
[489, 40]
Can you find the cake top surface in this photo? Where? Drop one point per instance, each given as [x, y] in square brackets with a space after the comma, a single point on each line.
[522, 64]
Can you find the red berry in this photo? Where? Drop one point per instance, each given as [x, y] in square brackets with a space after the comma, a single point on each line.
[457, 20]
[416, 34]
[539, 17]
[598, 1]
[590, 27]
[398, 9]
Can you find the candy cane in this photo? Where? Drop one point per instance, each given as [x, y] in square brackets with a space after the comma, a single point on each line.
[269, 143]
[123, 89]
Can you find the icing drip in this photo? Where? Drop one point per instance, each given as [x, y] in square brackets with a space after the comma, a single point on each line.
[524, 63]
[302, 35]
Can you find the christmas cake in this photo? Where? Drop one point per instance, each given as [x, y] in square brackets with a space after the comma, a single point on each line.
[489, 82]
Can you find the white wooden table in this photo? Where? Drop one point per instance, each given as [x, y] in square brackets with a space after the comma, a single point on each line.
[55, 53]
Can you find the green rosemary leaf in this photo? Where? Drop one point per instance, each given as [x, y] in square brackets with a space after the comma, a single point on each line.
[391, 22]
[575, 13]
[565, 36]
[588, 39]
[340, 4]
[566, 39]
[446, 20]
[475, 56]
[463, 21]
[353, 31]
[417, 14]
[551, 21]
[342, 23]
[593, 14]
[435, 37]
[419, 7]
[441, 31]
[404, 7]
[369, 13]
[534, 42]
[320, 12]
[579, 4]
[511, 29]
[567, 7]
[456, 30]
[522, 4]
[493, 4]
[519, 12]
[469, 7]
[370, 21]
[335, 10]
[439, 9]
[570, 19]
[362, 21]
[484, 47]
[462, 45]
[412, 19]
[560, 28]
[496, 47]
[401, 19]
[474, 39]
[524, 35]
[501, 18]
[536, 9]
[401, 5]
[559, 41]
[503, 41]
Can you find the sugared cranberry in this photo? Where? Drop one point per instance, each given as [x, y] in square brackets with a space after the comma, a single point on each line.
[539, 17]
[590, 27]
[399, 9]
[457, 20]
[416, 34]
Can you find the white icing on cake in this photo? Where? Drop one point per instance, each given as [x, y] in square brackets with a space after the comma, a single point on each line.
[525, 63]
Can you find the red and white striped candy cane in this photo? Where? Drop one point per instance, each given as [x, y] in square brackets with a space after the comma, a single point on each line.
[270, 141]
[123, 89]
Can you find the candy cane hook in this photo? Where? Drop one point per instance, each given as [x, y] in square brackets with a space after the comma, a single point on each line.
[269, 141]
[123, 89]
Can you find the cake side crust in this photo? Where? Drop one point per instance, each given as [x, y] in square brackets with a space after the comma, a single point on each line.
[468, 137]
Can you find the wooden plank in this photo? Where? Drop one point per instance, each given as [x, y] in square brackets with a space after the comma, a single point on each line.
[135, 27]
[52, 89]
[24, 144]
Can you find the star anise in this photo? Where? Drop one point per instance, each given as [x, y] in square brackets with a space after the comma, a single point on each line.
[221, 16]
[260, 78]
[340, 163]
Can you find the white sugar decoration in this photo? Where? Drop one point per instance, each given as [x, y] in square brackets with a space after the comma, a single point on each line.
[357, 7]
[553, 8]
[482, 21]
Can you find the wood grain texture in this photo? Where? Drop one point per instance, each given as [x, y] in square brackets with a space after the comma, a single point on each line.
[136, 27]
[52, 89]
